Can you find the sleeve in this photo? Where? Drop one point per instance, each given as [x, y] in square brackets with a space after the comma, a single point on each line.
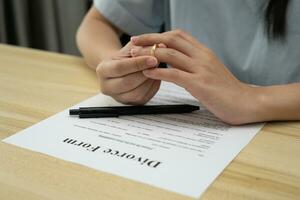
[134, 17]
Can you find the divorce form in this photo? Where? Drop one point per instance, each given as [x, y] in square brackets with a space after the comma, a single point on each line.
[182, 153]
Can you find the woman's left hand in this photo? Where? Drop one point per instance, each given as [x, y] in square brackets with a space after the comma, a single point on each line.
[197, 69]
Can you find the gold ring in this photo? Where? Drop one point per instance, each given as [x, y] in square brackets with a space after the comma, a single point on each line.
[154, 47]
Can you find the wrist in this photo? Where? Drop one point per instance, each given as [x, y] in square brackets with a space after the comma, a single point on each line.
[260, 104]
[250, 105]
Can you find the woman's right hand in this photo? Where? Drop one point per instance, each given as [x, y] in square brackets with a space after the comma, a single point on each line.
[121, 77]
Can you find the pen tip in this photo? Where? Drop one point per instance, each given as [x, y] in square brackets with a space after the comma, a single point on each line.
[74, 111]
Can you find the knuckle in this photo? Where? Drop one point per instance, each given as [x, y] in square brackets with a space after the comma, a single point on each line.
[179, 32]
[107, 68]
[171, 39]
[209, 51]
[210, 56]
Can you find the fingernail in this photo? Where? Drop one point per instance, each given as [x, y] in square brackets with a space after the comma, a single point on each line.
[133, 52]
[134, 39]
[147, 72]
[151, 61]
[161, 45]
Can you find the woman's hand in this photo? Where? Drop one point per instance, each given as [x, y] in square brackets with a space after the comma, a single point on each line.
[121, 76]
[197, 69]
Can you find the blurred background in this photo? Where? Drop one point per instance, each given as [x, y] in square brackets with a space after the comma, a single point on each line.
[43, 24]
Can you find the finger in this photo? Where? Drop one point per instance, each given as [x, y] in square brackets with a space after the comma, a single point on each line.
[137, 95]
[167, 55]
[125, 51]
[118, 68]
[152, 91]
[188, 37]
[171, 40]
[193, 41]
[122, 84]
[173, 75]
[136, 50]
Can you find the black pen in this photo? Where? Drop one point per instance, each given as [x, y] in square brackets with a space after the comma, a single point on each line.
[115, 111]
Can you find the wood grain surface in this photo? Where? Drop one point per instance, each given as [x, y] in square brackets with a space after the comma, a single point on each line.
[35, 85]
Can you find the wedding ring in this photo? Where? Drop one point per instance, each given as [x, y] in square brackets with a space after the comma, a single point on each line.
[152, 51]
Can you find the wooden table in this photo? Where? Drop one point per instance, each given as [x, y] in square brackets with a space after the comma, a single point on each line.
[35, 85]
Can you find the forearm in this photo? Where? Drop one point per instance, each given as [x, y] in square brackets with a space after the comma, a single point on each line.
[278, 102]
[97, 38]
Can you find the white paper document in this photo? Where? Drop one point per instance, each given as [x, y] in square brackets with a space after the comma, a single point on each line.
[182, 153]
